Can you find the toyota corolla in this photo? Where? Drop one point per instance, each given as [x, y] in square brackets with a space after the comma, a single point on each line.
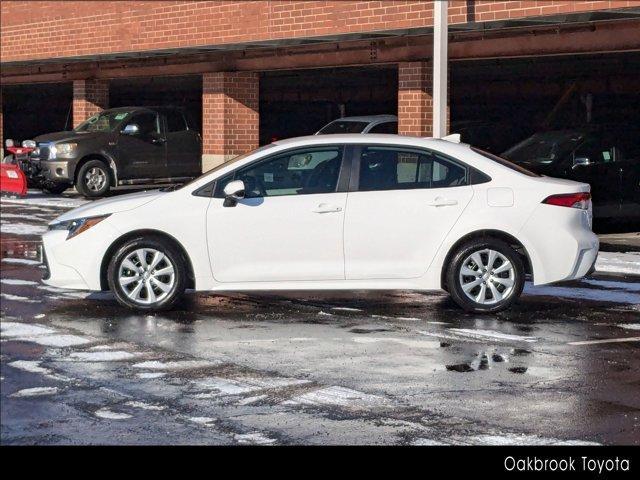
[334, 212]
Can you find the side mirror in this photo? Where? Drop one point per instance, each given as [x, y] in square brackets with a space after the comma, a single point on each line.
[233, 191]
[29, 144]
[131, 129]
[581, 162]
[8, 143]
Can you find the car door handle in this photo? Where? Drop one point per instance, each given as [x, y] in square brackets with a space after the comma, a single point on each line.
[442, 202]
[326, 208]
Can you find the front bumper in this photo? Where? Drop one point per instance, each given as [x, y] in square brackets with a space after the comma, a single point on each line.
[57, 171]
[76, 263]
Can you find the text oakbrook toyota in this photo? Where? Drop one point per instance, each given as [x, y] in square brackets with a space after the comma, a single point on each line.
[334, 212]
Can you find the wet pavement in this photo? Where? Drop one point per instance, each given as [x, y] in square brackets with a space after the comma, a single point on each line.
[563, 366]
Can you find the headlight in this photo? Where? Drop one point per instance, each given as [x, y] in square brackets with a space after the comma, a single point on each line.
[62, 150]
[78, 225]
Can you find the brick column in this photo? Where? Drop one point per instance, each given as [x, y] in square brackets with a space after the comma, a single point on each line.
[89, 98]
[230, 121]
[415, 99]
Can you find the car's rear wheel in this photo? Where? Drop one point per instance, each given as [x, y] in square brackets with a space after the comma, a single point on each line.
[485, 275]
[93, 179]
[147, 274]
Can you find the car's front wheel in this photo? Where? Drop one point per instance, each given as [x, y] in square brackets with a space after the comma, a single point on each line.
[94, 179]
[485, 275]
[147, 273]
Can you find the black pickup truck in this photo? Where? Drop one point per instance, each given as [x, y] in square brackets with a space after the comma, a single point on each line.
[119, 146]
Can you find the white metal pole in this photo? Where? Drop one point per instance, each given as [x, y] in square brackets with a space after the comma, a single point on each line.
[440, 59]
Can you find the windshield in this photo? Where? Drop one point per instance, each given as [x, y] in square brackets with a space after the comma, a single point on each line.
[226, 164]
[105, 121]
[341, 126]
[544, 148]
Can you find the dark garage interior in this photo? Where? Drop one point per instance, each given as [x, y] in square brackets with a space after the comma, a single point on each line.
[35, 109]
[300, 102]
[510, 99]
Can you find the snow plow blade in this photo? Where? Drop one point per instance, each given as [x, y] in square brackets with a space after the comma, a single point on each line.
[13, 182]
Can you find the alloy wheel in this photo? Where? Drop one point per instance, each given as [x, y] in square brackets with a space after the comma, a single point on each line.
[487, 277]
[146, 276]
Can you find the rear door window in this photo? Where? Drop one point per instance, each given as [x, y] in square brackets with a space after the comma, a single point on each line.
[392, 168]
[386, 127]
[175, 121]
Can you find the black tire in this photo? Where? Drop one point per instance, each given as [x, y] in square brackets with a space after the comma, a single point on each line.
[85, 185]
[173, 258]
[485, 278]
[55, 188]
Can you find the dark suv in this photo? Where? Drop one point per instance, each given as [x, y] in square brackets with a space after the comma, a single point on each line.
[120, 146]
[606, 157]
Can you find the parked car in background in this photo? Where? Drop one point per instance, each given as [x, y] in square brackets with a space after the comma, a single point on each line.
[334, 212]
[119, 146]
[606, 157]
[494, 137]
[364, 124]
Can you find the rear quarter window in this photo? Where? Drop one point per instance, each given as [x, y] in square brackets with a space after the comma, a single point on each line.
[506, 163]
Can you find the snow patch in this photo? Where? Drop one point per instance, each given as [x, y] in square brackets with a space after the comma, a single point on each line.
[39, 199]
[111, 415]
[492, 334]
[238, 386]
[346, 309]
[17, 281]
[17, 329]
[145, 406]
[207, 421]
[337, 397]
[255, 438]
[514, 439]
[614, 262]
[35, 392]
[175, 365]
[151, 375]
[22, 229]
[56, 340]
[103, 356]
[22, 261]
[18, 298]
[629, 326]
[402, 341]
[30, 366]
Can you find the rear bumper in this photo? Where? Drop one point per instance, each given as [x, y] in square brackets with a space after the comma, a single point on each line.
[561, 245]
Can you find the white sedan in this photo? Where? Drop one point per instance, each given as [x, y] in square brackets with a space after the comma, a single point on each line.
[334, 212]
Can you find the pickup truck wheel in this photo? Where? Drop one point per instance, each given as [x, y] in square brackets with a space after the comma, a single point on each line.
[94, 179]
[147, 273]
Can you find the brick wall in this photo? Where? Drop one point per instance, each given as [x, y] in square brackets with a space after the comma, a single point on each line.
[89, 98]
[229, 114]
[33, 30]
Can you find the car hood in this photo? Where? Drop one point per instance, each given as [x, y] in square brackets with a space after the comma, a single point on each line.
[111, 205]
[65, 136]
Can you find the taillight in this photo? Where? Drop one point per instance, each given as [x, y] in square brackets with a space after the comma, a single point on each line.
[580, 200]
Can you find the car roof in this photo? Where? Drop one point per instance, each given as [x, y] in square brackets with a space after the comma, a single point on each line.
[368, 118]
[370, 138]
